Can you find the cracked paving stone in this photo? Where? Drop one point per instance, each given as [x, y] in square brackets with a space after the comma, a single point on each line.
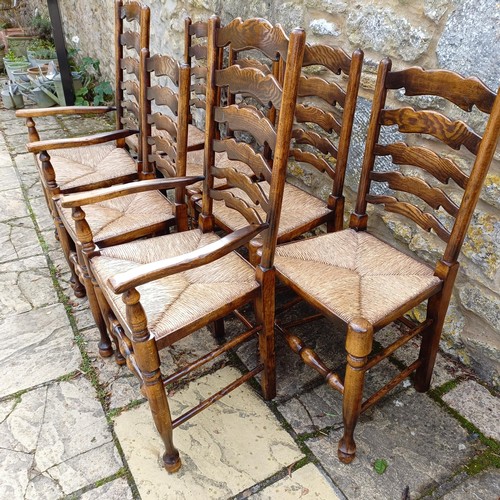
[18, 239]
[483, 486]
[421, 442]
[58, 438]
[25, 284]
[477, 405]
[13, 205]
[43, 216]
[322, 406]
[15, 125]
[9, 179]
[122, 386]
[225, 449]
[114, 490]
[5, 158]
[307, 483]
[38, 345]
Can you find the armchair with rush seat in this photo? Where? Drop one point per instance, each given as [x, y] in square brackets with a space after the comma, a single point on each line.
[157, 291]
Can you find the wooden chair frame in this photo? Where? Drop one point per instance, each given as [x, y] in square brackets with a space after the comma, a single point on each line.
[137, 343]
[464, 93]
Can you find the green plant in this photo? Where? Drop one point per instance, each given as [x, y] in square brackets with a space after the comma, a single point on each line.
[380, 465]
[93, 91]
[11, 57]
[44, 49]
[41, 27]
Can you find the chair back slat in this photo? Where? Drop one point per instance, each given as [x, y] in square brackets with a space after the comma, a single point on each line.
[131, 66]
[312, 114]
[311, 138]
[415, 177]
[164, 96]
[131, 40]
[255, 34]
[464, 92]
[132, 88]
[164, 66]
[330, 92]
[443, 169]
[333, 58]
[452, 133]
[164, 123]
[316, 161]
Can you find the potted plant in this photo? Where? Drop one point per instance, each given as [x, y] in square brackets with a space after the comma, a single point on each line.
[12, 63]
[41, 52]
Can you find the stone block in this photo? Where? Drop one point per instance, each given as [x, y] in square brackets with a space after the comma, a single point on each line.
[38, 345]
[225, 449]
[435, 9]
[421, 443]
[330, 6]
[476, 404]
[482, 302]
[324, 27]
[386, 31]
[468, 43]
[307, 483]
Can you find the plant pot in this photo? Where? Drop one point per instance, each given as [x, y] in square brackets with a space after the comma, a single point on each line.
[19, 44]
[77, 85]
[42, 99]
[11, 66]
[35, 60]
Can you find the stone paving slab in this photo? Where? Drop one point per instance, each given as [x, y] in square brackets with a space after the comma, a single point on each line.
[114, 490]
[55, 440]
[13, 205]
[477, 405]
[421, 443]
[36, 346]
[18, 239]
[306, 483]
[9, 179]
[322, 406]
[483, 486]
[25, 284]
[225, 449]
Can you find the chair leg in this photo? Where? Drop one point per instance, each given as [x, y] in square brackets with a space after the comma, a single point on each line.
[264, 312]
[148, 362]
[67, 246]
[358, 345]
[436, 310]
[218, 330]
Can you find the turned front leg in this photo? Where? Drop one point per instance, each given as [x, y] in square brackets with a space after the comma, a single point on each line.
[148, 362]
[358, 346]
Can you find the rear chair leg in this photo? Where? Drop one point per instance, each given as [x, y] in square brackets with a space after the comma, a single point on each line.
[358, 345]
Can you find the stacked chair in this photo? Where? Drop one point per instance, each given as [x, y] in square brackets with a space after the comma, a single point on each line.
[157, 291]
[149, 287]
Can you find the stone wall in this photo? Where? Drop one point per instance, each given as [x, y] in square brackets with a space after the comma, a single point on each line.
[460, 35]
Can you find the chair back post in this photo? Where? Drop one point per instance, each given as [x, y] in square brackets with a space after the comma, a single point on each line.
[476, 179]
[336, 199]
[359, 218]
[118, 70]
[293, 70]
[206, 218]
[146, 170]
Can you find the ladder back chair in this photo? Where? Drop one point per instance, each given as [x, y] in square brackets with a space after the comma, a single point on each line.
[157, 291]
[84, 163]
[322, 132]
[353, 276]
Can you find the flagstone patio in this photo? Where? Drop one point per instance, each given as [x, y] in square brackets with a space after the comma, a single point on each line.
[74, 425]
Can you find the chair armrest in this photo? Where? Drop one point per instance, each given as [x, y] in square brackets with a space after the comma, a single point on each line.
[77, 142]
[162, 268]
[108, 193]
[64, 110]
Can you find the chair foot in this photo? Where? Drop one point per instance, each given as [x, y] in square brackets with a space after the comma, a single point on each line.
[172, 464]
[119, 359]
[78, 289]
[105, 349]
[346, 453]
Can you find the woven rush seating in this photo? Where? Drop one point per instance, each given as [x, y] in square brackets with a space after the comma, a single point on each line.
[114, 220]
[354, 274]
[91, 167]
[175, 303]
